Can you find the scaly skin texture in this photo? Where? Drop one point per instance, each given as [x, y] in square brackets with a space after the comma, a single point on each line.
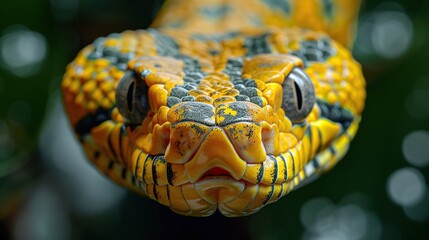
[201, 121]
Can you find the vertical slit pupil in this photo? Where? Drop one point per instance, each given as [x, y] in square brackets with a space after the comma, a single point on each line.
[298, 95]
[130, 97]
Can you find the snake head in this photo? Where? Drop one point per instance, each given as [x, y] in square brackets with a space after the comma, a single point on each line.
[235, 136]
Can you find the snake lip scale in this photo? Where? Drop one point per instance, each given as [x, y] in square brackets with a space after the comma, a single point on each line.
[228, 107]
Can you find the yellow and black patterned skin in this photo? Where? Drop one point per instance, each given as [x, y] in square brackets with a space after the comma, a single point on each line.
[223, 105]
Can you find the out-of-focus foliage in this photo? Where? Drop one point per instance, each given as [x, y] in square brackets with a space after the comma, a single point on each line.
[49, 191]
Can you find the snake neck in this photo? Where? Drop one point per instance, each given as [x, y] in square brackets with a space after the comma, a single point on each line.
[335, 17]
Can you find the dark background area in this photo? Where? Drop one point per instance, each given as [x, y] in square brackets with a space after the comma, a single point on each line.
[49, 191]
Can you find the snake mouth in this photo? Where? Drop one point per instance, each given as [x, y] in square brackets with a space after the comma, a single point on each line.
[217, 171]
[274, 170]
[231, 197]
[219, 189]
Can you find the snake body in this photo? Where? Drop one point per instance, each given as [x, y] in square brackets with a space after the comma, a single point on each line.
[223, 105]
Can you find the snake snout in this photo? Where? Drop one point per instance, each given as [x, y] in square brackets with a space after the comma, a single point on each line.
[215, 152]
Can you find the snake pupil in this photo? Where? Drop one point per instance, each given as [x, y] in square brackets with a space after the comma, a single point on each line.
[130, 97]
[298, 95]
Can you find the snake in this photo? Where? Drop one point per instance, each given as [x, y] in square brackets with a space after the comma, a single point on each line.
[220, 105]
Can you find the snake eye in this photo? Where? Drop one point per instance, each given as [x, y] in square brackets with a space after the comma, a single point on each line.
[132, 97]
[298, 95]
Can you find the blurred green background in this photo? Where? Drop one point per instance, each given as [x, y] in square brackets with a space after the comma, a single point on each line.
[48, 191]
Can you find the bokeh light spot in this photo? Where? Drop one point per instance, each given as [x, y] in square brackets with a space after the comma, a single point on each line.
[22, 51]
[310, 211]
[420, 211]
[324, 220]
[415, 148]
[352, 220]
[406, 186]
[363, 42]
[392, 34]
[374, 228]
[386, 32]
